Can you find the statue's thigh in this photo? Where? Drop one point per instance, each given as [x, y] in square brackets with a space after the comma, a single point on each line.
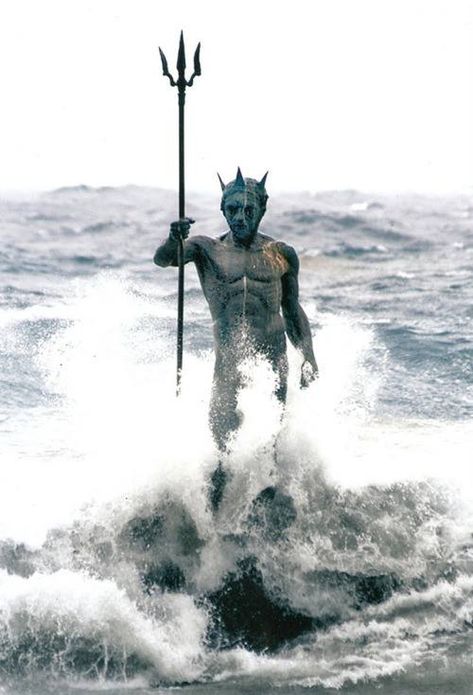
[225, 390]
[224, 417]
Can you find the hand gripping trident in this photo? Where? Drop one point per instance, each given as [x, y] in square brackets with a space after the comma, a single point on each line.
[181, 83]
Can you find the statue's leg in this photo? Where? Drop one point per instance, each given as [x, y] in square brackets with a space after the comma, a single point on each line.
[281, 368]
[224, 420]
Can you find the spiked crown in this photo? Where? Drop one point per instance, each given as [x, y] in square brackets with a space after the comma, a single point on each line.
[242, 184]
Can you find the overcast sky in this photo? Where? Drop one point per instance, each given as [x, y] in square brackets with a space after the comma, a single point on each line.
[368, 94]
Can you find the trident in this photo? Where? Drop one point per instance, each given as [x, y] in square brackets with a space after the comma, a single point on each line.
[181, 83]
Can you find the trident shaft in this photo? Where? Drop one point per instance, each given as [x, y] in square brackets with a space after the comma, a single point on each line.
[181, 83]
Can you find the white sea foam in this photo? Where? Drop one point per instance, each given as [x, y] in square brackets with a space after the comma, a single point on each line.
[73, 607]
[117, 428]
[115, 438]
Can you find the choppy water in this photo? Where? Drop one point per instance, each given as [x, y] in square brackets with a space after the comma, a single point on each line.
[109, 556]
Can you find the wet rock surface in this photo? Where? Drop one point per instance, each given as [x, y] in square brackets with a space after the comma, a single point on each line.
[244, 613]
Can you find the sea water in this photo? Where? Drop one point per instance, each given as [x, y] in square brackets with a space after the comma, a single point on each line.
[107, 542]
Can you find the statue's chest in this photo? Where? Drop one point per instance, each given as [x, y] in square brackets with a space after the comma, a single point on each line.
[231, 265]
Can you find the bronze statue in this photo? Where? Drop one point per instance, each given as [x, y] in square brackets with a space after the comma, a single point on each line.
[250, 282]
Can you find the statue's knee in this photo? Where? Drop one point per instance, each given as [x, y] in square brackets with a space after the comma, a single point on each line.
[223, 425]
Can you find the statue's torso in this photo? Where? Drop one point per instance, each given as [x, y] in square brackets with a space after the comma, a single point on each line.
[244, 291]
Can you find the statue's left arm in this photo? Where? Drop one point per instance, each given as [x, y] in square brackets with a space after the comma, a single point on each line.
[295, 319]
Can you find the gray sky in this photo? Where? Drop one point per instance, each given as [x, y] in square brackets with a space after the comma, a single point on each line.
[367, 94]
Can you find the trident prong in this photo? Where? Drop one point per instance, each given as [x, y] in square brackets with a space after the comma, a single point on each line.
[196, 72]
[166, 72]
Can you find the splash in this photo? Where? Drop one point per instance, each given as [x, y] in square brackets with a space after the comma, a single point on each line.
[117, 565]
[69, 622]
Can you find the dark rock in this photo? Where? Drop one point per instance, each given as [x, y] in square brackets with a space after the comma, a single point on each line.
[273, 512]
[142, 532]
[243, 612]
[168, 528]
[361, 589]
[168, 576]
[375, 589]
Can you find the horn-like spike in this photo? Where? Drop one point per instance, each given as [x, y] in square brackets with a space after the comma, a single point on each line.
[262, 183]
[197, 71]
[239, 181]
[221, 182]
[181, 56]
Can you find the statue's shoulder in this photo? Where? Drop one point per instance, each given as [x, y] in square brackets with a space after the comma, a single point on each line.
[276, 243]
[282, 255]
[266, 240]
[288, 252]
[202, 242]
[201, 239]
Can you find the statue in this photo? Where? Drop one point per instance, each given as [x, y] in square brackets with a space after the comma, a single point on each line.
[248, 280]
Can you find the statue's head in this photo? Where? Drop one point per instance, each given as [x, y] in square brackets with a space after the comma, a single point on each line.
[243, 205]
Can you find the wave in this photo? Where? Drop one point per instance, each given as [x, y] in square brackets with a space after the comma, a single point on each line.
[342, 548]
[165, 592]
[80, 188]
[345, 249]
[69, 623]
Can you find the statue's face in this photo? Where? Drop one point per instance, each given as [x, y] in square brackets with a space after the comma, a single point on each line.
[243, 212]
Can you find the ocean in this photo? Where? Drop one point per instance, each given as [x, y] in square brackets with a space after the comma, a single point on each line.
[355, 575]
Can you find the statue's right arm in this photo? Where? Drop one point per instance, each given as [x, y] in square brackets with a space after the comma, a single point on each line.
[166, 253]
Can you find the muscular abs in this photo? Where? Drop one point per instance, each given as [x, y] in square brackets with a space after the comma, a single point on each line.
[243, 290]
